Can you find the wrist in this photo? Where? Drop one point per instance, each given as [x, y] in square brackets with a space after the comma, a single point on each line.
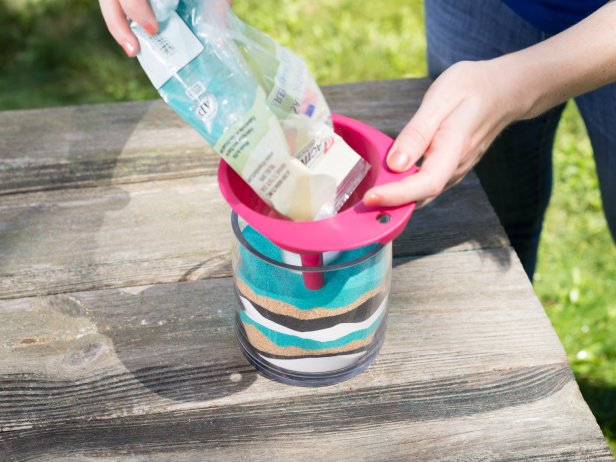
[519, 85]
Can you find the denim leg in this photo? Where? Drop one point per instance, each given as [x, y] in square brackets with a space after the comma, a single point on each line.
[516, 171]
[458, 30]
[598, 109]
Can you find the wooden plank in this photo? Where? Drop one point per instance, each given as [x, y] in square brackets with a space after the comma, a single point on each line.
[176, 319]
[385, 104]
[45, 149]
[79, 239]
[123, 235]
[153, 373]
[368, 427]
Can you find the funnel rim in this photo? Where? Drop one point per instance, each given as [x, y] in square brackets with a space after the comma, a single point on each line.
[332, 233]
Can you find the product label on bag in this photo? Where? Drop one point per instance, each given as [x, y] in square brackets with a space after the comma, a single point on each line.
[334, 157]
[289, 83]
[206, 104]
[254, 147]
[163, 54]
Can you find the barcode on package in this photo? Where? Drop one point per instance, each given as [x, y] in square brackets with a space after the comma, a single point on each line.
[164, 54]
[195, 91]
[163, 45]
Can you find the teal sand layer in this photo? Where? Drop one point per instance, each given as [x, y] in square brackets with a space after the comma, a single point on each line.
[341, 288]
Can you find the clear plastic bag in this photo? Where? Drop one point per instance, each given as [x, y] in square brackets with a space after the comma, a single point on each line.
[254, 102]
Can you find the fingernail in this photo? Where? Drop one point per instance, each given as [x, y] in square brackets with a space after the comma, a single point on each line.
[150, 28]
[129, 49]
[399, 161]
[373, 199]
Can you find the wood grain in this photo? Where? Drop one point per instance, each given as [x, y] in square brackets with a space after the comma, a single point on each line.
[124, 230]
[307, 428]
[78, 239]
[116, 314]
[105, 144]
[167, 231]
[45, 149]
[153, 373]
[459, 219]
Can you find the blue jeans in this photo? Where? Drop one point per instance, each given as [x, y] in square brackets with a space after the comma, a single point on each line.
[516, 172]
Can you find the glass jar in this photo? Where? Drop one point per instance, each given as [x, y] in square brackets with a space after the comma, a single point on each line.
[301, 336]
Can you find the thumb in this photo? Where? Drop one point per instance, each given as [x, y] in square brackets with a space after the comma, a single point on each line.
[411, 144]
[415, 138]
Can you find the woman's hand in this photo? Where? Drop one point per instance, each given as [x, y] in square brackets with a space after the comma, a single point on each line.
[117, 14]
[460, 115]
[471, 102]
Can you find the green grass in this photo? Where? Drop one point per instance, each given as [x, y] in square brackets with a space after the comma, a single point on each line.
[59, 52]
[56, 52]
[576, 275]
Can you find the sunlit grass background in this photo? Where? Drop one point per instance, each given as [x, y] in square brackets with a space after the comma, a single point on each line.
[57, 52]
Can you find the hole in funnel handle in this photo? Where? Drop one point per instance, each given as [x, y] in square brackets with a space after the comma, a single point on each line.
[383, 218]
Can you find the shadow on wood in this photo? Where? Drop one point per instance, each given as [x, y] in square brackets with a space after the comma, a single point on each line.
[30, 227]
[461, 219]
[175, 349]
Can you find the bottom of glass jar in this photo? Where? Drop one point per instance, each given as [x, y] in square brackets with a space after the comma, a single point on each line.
[305, 379]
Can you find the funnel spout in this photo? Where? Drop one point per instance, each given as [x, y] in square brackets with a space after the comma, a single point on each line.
[313, 280]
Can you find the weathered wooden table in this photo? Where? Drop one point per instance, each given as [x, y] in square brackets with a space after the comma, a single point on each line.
[116, 332]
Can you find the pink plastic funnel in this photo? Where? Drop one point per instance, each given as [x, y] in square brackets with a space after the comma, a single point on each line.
[355, 226]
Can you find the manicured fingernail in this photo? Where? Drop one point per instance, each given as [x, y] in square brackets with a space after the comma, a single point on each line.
[150, 28]
[373, 199]
[399, 161]
[129, 49]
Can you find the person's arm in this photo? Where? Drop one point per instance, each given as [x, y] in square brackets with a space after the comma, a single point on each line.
[472, 102]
